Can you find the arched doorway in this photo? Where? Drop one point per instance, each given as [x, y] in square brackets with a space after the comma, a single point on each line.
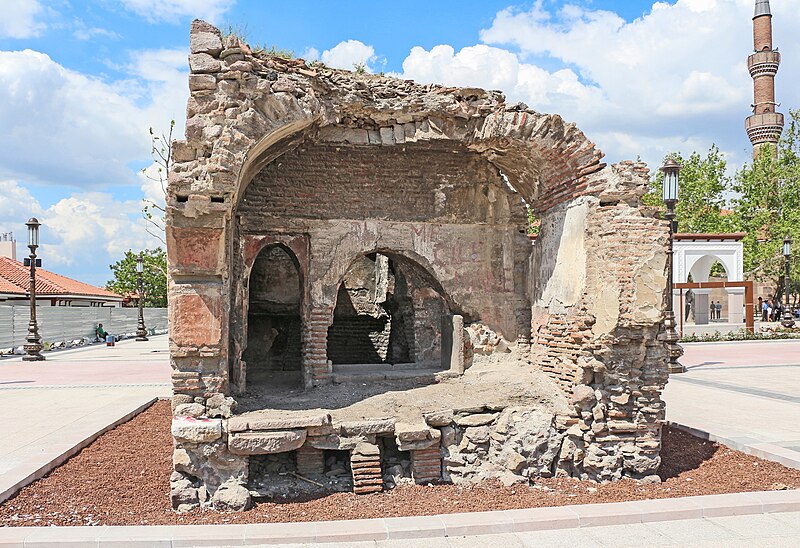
[389, 311]
[274, 350]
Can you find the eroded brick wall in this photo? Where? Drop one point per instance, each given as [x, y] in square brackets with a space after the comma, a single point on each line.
[437, 204]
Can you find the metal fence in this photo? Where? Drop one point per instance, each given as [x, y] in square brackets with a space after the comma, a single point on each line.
[66, 323]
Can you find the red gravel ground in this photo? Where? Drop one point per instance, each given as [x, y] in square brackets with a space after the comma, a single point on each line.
[123, 479]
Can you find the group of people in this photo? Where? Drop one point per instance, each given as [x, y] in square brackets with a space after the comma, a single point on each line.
[771, 309]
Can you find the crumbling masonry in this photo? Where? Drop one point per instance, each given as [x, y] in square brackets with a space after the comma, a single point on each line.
[355, 300]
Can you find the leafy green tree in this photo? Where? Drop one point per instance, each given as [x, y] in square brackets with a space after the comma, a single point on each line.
[701, 199]
[154, 277]
[767, 206]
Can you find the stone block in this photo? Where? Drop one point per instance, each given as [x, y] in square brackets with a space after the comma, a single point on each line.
[231, 497]
[205, 42]
[237, 424]
[421, 444]
[439, 418]
[221, 406]
[203, 63]
[189, 410]
[265, 443]
[361, 428]
[183, 152]
[294, 421]
[412, 432]
[387, 135]
[195, 319]
[478, 434]
[479, 419]
[194, 430]
[195, 250]
[202, 82]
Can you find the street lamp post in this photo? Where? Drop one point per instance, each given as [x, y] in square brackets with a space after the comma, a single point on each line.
[33, 344]
[141, 330]
[671, 170]
[788, 317]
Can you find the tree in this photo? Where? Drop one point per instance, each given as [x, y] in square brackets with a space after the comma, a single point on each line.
[703, 184]
[161, 152]
[768, 205]
[154, 279]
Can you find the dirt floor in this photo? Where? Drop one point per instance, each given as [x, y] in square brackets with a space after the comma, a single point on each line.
[123, 479]
[500, 382]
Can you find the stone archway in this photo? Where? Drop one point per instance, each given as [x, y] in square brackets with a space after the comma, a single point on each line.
[389, 311]
[273, 348]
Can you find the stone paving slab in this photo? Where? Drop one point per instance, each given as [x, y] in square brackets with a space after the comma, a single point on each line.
[129, 362]
[770, 514]
[745, 395]
[59, 426]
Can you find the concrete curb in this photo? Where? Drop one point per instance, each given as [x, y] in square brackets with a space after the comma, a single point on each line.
[450, 525]
[762, 450]
[59, 457]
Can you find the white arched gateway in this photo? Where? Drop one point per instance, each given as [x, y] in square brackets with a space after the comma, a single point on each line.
[695, 255]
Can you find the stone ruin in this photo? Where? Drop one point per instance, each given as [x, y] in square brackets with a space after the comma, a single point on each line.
[355, 301]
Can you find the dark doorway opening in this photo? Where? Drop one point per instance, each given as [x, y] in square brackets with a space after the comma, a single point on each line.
[274, 347]
[388, 311]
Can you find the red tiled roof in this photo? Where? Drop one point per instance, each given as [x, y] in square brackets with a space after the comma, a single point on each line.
[8, 287]
[15, 278]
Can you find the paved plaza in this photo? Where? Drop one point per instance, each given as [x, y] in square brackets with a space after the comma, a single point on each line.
[65, 402]
[745, 394]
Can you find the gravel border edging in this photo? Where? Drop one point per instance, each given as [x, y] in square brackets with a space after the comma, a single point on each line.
[506, 521]
[61, 457]
[762, 450]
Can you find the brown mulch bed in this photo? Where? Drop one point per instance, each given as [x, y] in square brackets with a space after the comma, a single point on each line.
[123, 479]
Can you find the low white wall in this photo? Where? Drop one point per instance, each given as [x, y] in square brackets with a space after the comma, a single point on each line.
[66, 323]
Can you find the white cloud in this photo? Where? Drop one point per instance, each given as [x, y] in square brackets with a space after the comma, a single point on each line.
[349, 54]
[64, 127]
[82, 31]
[172, 11]
[675, 78]
[86, 231]
[310, 54]
[19, 19]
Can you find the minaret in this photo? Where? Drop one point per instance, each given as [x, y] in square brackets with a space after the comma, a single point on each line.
[765, 125]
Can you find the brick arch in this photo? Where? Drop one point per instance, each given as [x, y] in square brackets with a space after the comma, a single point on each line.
[416, 263]
[417, 270]
[547, 160]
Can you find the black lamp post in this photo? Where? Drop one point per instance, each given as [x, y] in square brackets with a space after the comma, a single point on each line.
[33, 344]
[788, 317]
[141, 330]
[671, 170]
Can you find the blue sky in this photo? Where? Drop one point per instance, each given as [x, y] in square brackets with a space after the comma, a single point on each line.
[82, 81]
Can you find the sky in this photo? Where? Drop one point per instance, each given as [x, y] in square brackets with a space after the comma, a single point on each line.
[83, 81]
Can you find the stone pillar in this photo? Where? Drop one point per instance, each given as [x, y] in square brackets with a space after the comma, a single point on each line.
[701, 303]
[310, 461]
[426, 465]
[735, 304]
[365, 462]
[316, 369]
[457, 346]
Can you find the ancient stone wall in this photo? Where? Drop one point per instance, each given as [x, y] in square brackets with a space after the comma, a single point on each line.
[331, 166]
